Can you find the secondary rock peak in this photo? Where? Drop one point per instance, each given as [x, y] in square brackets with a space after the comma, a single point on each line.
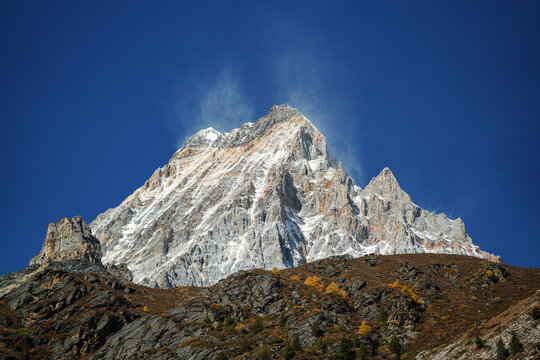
[386, 185]
[69, 239]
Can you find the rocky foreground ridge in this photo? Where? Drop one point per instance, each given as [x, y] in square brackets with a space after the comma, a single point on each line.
[423, 306]
[265, 195]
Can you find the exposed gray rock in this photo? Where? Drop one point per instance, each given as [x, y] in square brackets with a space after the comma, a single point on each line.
[261, 292]
[154, 337]
[386, 185]
[10, 280]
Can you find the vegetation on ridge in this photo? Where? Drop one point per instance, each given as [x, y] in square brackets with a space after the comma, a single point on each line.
[375, 307]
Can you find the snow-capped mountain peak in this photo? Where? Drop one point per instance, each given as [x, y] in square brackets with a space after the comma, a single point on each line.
[203, 138]
[265, 195]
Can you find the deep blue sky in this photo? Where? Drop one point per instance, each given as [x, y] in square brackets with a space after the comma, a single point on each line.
[95, 95]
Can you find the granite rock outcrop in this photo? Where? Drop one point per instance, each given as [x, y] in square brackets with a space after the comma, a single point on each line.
[68, 239]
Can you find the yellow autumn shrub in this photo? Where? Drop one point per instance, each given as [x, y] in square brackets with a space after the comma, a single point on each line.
[405, 290]
[334, 289]
[314, 282]
[364, 329]
[241, 328]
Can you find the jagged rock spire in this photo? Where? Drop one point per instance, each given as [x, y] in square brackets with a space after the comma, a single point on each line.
[69, 239]
[386, 185]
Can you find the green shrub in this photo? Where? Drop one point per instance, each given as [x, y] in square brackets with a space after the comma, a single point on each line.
[320, 346]
[257, 326]
[221, 356]
[502, 351]
[515, 346]
[245, 346]
[282, 320]
[479, 342]
[264, 354]
[228, 321]
[296, 343]
[395, 347]
[382, 316]
[288, 351]
[345, 349]
[535, 313]
[229, 331]
[362, 353]
[316, 330]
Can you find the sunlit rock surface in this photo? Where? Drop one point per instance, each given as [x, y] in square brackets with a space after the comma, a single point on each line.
[68, 239]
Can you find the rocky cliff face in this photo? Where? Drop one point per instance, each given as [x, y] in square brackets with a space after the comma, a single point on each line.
[68, 239]
[265, 195]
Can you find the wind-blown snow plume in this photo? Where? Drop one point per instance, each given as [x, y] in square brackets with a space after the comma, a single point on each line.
[303, 75]
[220, 103]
